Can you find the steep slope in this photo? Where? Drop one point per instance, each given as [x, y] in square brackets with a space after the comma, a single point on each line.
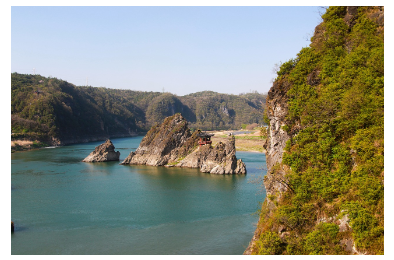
[325, 152]
[167, 105]
[220, 111]
[61, 113]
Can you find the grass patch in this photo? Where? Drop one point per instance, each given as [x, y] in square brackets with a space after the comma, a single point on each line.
[249, 137]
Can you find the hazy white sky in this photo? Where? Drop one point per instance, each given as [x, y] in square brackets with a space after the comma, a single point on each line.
[179, 49]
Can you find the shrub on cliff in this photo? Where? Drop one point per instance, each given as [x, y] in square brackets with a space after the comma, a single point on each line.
[270, 244]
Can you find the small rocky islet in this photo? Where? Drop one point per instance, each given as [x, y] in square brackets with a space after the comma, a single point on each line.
[103, 153]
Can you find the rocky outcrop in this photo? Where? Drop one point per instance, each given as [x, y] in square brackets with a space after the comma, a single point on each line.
[103, 153]
[173, 144]
[220, 159]
[164, 144]
[277, 110]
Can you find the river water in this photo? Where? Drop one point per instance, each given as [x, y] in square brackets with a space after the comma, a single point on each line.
[61, 205]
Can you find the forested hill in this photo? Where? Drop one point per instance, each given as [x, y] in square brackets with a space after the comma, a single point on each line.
[57, 111]
[325, 153]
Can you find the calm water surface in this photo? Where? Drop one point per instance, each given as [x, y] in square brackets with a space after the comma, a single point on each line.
[61, 205]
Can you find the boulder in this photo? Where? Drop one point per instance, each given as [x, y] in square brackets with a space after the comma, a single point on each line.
[103, 153]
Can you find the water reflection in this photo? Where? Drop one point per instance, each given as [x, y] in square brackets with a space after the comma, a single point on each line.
[182, 178]
[99, 168]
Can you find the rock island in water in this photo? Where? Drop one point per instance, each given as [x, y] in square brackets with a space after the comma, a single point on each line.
[103, 153]
[173, 144]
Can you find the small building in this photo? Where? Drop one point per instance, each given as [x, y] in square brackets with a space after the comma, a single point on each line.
[205, 139]
[38, 92]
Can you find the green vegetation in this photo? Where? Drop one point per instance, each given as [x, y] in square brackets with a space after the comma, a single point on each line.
[49, 107]
[270, 244]
[215, 111]
[335, 158]
[324, 240]
[54, 108]
[263, 132]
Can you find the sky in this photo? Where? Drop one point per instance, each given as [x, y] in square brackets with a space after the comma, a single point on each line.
[177, 49]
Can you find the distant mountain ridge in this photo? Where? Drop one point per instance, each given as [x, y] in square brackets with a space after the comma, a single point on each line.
[59, 112]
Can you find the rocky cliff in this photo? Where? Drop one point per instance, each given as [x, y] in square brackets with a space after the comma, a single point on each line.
[275, 184]
[103, 153]
[275, 181]
[325, 142]
[173, 144]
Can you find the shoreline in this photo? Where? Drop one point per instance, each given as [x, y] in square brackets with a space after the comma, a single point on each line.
[21, 145]
[248, 142]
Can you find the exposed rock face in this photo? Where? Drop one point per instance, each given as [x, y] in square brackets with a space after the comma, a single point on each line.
[172, 144]
[164, 143]
[351, 15]
[277, 109]
[220, 159]
[103, 153]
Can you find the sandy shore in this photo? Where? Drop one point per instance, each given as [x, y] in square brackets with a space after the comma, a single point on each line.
[24, 145]
[21, 143]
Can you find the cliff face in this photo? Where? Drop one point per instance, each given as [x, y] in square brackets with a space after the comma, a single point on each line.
[172, 144]
[323, 147]
[277, 110]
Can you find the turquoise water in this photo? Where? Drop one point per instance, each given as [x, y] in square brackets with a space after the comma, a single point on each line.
[61, 205]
